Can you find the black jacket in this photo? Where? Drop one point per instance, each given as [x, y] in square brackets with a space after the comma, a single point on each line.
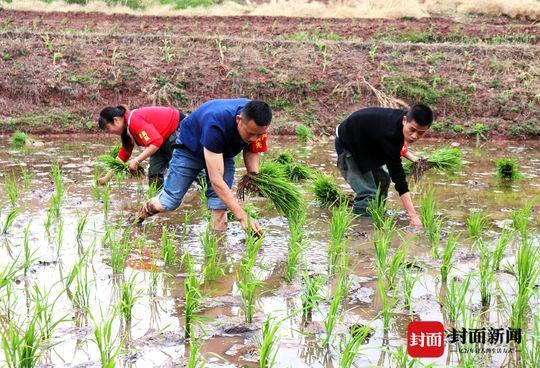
[374, 136]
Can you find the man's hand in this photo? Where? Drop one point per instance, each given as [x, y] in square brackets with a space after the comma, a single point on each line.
[103, 180]
[133, 166]
[415, 222]
[249, 224]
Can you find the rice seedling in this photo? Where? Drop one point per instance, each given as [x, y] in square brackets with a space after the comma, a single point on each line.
[486, 274]
[454, 301]
[377, 209]
[428, 209]
[152, 191]
[388, 302]
[119, 253]
[327, 192]
[81, 224]
[106, 197]
[311, 294]
[192, 295]
[446, 159]
[27, 178]
[154, 274]
[128, 298]
[527, 259]
[168, 249]
[296, 245]
[81, 295]
[402, 359]
[521, 219]
[332, 315]
[505, 238]
[272, 169]
[396, 263]
[8, 273]
[508, 169]
[285, 157]
[11, 189]
[408, 281]
[43, 312]
[383, 240]
[448, 254]
[268, 343]
[20, 139]
[113, 152]
[185, 226]
[296, 172]
[10, 219]
[476, 224]
[59, 189]
[431, 221]
[212, 259]
[342, 218]
[303, 133]
[530, 347]
[59, 235]
[283, 194]
[48, 220]
[196, 359]
[28, 259]
[352, 346]
[248, 282]
[22, 344]
[105, 340]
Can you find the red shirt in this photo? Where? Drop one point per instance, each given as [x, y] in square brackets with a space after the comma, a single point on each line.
[149, 125]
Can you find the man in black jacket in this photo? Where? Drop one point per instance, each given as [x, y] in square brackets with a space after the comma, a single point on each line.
[369, 145]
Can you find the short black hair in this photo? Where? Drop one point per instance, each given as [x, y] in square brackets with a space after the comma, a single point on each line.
[421, 114]
[258, 111]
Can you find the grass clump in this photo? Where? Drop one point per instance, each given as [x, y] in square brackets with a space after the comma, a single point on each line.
[303, 133]
[413, 88]
[508, 169]
[20, 139]
[272, 184]
[327, 191]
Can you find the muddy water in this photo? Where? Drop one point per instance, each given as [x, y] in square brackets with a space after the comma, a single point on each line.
[155, 336]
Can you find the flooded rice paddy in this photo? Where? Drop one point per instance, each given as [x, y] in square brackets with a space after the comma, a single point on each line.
[155, 335]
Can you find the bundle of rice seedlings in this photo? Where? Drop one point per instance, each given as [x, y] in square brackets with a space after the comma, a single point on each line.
[303, 133]
[117, 166]
[296, 171]
[272, 169]
[20, 139]
[508, 169]
[447, 159]
[115, 150]
[285, 157]
[327, 191]
[284, 195]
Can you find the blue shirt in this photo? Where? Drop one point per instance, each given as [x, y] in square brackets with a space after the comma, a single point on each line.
[213, 126]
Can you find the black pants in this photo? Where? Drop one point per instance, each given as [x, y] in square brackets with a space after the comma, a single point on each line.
[159, 162]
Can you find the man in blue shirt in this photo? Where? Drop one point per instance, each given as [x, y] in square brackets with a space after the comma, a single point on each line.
[210, 138]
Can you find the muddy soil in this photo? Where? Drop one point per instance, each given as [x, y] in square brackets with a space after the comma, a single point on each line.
[59, 70]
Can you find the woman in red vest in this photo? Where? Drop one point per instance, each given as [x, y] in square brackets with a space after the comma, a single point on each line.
[151, 127]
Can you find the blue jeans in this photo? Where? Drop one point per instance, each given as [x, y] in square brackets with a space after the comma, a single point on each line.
[183, 169]
[364, 184]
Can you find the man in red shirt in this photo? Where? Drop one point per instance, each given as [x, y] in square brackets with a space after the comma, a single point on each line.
[151, 127]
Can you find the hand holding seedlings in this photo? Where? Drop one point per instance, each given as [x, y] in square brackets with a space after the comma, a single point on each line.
[133, 166]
